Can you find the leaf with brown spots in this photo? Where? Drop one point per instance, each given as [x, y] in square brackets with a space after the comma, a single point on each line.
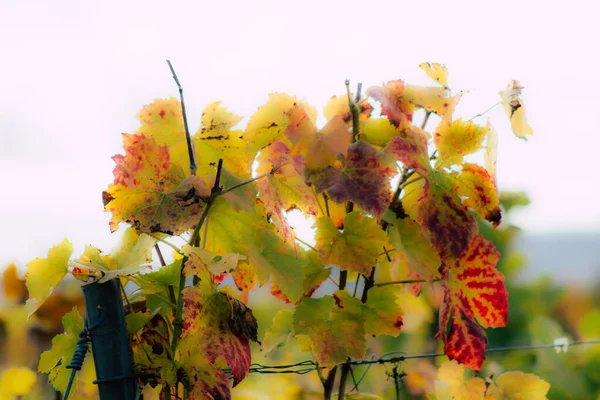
[513, 105]
[282, 118]
[432, 99]
[150, 193]
[474, 293]
[440, 212]
[410, 148]
[245, 278]
[437, 72]
[363, 178]
[216, 140]
[208, 321]
[456, 139]
[479, 192]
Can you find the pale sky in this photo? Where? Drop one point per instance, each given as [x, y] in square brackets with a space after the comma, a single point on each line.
[75, 73]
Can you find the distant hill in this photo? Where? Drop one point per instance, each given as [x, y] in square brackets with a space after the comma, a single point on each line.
[564, 257]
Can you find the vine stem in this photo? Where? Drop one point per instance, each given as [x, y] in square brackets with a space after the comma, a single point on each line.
[190, 144]
[349, 208]
[178, 321]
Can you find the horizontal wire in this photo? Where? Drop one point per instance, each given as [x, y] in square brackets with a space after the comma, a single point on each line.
[309, 365]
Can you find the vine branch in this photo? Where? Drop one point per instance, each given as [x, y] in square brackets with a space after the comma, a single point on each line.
[190, 144]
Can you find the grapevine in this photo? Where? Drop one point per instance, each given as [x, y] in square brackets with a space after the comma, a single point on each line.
[218, 199]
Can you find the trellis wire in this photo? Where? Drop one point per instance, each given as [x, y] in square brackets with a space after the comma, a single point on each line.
[307, 366]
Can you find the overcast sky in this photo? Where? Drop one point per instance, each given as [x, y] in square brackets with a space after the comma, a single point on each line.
[75, 73]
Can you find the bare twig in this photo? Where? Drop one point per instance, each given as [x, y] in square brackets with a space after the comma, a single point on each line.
[190, 144]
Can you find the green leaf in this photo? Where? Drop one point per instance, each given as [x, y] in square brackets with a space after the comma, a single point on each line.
[63, 347]
[136, 321]
[159, 281]
[231, 231]
[280, 331]
[334, 334]
[416, 247]
[381, 313]
[356, 248]
[44, 274]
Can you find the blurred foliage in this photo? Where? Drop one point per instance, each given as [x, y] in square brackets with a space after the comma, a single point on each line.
[539, 312]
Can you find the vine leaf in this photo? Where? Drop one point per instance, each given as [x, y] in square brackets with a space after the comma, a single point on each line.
[513, 105]
[216, 140]
[379, 131]
[441, 213]
[284, 189]
[150, 193]
[338, 105]
[202, 262]
[281, 115]
[451, 383]
[320, 148]
[516, 385]
[207, 325]
[411, 149]
[382, 315]
[456, 139]
[436, 71]
[356, 248]
[415, 245]
[337, 211]
[54, 361]
[44, 274]
[335, 334]
[132, 256]
[245, 278]
[478, 190]
[474, 291]
[279, 332]
[363, 178]
[163, 121]
[393, 104]
[245, 233]
[314, 275]
[432, 99]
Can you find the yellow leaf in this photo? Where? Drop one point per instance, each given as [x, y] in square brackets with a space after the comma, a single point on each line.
[432, 99]
[513, 105]
[16, 381]
[451, 378]
[436, 71]
[44, 274]
[516, 385]
[456, 139]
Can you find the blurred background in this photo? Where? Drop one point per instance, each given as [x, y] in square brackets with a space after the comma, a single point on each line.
[74, 75]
